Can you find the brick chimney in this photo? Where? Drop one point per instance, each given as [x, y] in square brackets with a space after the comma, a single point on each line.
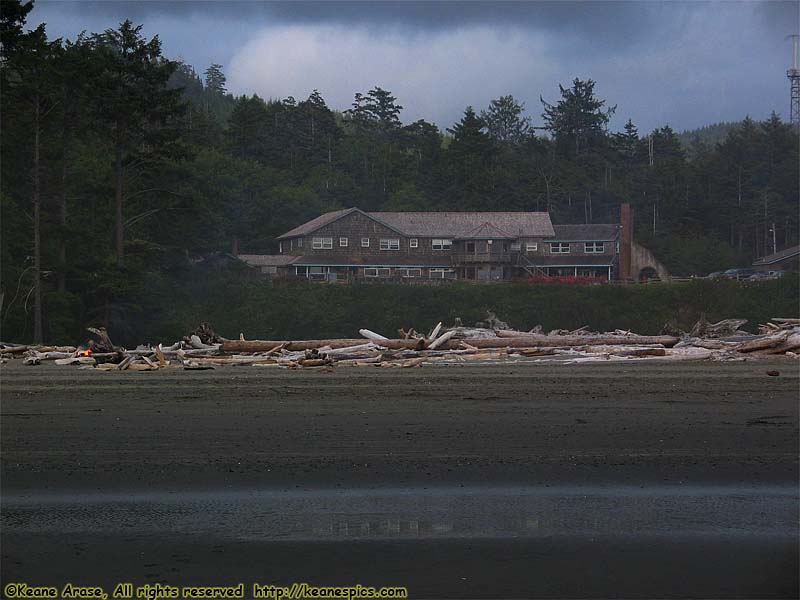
[626, 239]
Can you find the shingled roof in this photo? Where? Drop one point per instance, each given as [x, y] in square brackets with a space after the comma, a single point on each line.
[586, 233]
[316, 223]
[446, 224]
[486, 231]
[459, 224]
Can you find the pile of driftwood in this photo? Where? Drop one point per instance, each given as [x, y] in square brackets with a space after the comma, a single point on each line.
[203, 349]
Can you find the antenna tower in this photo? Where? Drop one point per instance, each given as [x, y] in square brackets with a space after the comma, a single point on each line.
[794, 81]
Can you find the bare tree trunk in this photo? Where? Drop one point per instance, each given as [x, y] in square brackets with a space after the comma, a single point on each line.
[37, 242]
[62, 217]
[120, 239]
[547, 187]
[589, 195]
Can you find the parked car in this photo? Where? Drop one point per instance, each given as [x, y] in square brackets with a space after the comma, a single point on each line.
[714, 275]
[740, 273]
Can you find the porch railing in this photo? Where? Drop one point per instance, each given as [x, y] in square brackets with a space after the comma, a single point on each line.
[462, 258]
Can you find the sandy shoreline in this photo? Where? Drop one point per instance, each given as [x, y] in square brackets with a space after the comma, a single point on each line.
[529, 424]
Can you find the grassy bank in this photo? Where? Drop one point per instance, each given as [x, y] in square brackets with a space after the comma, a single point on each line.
[295, 311]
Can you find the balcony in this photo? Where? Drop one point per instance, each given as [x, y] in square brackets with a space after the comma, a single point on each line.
[469, 258]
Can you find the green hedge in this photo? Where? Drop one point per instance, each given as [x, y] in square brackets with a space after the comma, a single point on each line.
[305, 310]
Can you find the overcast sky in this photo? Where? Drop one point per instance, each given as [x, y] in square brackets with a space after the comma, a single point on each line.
[685, 64]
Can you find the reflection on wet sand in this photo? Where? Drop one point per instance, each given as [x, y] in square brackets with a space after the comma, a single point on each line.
[413, 513]
[366, 525]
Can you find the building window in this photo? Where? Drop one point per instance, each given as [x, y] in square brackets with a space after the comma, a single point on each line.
[531, 246]
[413, 243]
[269, 269]
[559, 247]
[299, 242]
[280, 247]
[390, 244]
[322, 243]
[318, 272]
[516, 247]
[442, 274]
[312, 272]
[343, 242]
[438, 244]
[365, 242]
[594, 247]
[377, 271]
[616, 247]
[409, 272]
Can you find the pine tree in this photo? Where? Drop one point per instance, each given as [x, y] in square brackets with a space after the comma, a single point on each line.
[215, 80]
[29, 82]
[246, 136]
[505, 122]
[469, 137]
[133, 104]
[469, 156]
[577, 121]
[12, 22]
[628, 144]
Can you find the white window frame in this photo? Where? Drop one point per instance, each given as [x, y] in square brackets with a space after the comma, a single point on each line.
[280, 247]
[559, 247]
[299, 242]
[410, 272]
[376, 272]
[594, 247]
[365, 242]
[439, 273]
[441, 244]
[413, 243]
[516, 246]
[342, 242]
[531, 246]
[616, 248]
[390, 244]
[320, 243]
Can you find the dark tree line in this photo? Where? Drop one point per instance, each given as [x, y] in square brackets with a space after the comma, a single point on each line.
[119, 166]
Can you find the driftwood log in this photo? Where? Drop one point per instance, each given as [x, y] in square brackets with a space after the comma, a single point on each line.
[518, 341]
[588, 340]
[791, 344]
[234, 346]
[764, 342]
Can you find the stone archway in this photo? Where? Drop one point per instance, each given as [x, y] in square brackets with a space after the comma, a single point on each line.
[647, 273]
[644, 261]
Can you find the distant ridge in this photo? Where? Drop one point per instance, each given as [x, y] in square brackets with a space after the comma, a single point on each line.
[710, 134]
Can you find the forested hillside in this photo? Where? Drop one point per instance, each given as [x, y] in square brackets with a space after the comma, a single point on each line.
[710, 135]
[121, 166]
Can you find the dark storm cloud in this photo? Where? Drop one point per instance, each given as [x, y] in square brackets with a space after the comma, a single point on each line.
[617, 23]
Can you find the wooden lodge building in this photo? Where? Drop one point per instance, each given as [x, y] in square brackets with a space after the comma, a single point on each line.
[351, 244]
